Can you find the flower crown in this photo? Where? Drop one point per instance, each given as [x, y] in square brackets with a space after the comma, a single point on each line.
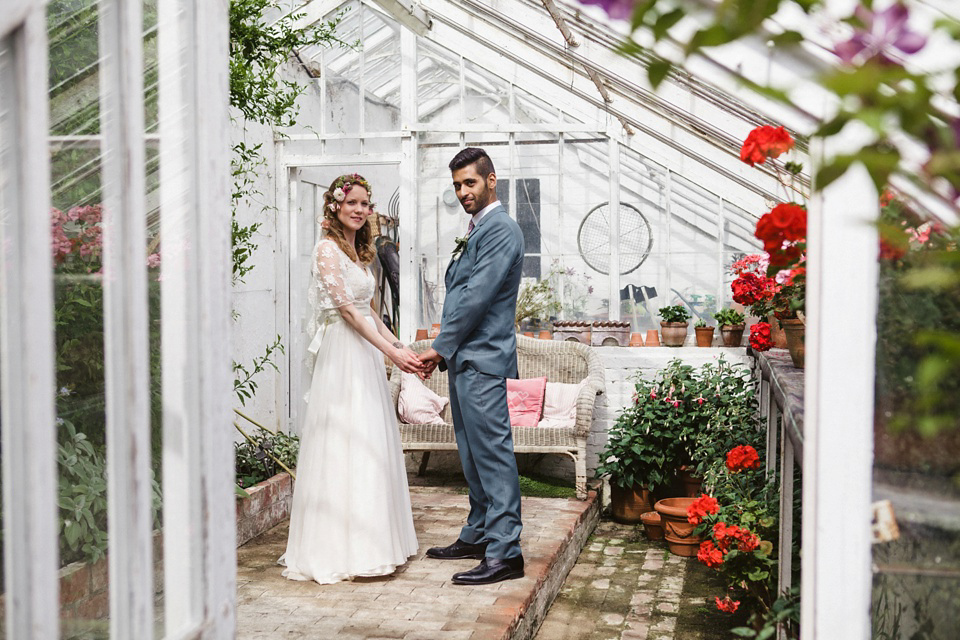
[342, 185]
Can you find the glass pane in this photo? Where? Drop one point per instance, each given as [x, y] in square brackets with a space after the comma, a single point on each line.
[585, 240]
[916, 430]
[438, 84]
[486, 98]
[381, 73]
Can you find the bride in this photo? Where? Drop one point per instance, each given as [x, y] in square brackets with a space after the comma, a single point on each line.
[351, 511]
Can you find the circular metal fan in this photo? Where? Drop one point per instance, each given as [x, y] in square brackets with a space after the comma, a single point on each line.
[593, 238]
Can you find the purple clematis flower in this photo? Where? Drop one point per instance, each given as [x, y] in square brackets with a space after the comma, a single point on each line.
[616, 9]
[881, 30]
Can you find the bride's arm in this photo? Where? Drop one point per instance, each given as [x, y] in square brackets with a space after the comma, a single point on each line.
[333, 284]
[401, 356]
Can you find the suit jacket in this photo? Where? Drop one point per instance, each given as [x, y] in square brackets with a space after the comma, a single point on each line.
[480, 307]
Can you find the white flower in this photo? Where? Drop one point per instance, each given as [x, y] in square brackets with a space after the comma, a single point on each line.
[60, 422]
[338, 194]
[64, 392]
[332, 206]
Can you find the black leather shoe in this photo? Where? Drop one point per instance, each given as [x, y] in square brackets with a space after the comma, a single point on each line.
[492, 570]
[458, 550]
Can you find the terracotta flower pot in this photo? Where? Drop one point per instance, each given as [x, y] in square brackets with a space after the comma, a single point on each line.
[674, 333]
[628, 505]
[434, 330]
[652, 525]
[777, 335]
[795, 330]
[704, 336]
[653, 338]
[676, 529]
[545, 334]
[692, 485]
[732, 334]
[421, 335]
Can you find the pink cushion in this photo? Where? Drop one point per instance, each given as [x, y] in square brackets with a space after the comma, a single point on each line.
[525, 400]
[417, 404]
[560, 405]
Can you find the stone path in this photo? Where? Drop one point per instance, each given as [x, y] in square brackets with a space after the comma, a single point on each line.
[629, 588]
[418, 602]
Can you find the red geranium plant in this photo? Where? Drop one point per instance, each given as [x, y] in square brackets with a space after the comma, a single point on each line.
[738, 521]
[772, 285]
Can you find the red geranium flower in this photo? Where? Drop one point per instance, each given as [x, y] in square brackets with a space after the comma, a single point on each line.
[709, 554]
[727, 605]
[742, 458]
[760, 336]
[701, 507]
[786, 222]
[765, 142]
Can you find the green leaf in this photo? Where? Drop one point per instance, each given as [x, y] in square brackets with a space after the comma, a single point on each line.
[657, 71]
[831, 171]
[665, 21]
[787, 38]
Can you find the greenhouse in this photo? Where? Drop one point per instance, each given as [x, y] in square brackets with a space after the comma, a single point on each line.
[725, 287]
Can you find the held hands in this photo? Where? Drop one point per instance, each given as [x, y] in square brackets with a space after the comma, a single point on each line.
[429, 360]
[407, 360]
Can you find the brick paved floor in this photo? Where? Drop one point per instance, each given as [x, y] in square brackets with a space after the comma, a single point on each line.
[629, 588]
[418, 601]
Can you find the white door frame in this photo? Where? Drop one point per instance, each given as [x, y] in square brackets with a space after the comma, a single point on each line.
[291, 299]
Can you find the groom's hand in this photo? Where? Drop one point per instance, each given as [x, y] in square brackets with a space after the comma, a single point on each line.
[429, 359]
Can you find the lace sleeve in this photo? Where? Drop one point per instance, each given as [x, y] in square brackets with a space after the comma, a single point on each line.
[333, 288]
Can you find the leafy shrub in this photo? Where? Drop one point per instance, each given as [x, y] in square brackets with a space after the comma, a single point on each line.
[674, 313]
[82, 497]
[728, 317]
[681, 416]
[254, 461]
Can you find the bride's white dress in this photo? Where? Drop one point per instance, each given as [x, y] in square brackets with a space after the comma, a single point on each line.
[351, 511]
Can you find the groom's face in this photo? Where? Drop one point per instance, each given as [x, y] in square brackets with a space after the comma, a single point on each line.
[473, 190]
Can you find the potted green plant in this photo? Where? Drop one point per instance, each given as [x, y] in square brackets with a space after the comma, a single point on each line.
[731, 326]
[645, 444]
[673, 326]
[704, 333]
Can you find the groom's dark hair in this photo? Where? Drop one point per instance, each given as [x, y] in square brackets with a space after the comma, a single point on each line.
[473, 155]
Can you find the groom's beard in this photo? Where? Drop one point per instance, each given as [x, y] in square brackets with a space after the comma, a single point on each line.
[481, 200]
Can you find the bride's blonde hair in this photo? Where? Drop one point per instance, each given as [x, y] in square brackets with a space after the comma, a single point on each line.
[363, 249]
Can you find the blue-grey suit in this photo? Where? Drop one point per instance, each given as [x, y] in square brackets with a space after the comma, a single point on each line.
[478, 343]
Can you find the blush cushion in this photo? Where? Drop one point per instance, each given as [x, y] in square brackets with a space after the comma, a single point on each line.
[525, 400]
[560, 405]
[417, 404]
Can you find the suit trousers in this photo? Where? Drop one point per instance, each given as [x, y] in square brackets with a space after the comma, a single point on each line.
[481, 423]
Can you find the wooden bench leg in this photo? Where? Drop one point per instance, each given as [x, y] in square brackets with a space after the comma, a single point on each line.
[580, 464]
[423, 463]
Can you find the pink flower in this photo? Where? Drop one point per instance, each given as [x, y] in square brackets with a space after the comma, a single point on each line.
[676, 403]
[153, 260]
[881, 31]
[653, 394]
[701, 400]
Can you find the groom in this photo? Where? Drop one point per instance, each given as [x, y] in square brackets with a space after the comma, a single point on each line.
[478, 347]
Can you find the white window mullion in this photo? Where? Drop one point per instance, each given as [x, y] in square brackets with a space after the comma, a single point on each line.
[126, 319]
[200, 530]
[614, 208]
[214, 259]
[838, 407]
[26, 326]
[410, 267]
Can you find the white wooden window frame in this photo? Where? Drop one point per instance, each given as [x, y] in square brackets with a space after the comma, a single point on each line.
[26, 325]
[199, 514]
[200, 538]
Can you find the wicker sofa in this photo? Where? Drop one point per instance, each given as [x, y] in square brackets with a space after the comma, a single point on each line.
[568, 362]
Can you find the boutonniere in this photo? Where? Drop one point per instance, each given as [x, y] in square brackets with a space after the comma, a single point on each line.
[460, 246]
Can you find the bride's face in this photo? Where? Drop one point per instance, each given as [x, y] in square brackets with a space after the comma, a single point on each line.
[355, 208]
